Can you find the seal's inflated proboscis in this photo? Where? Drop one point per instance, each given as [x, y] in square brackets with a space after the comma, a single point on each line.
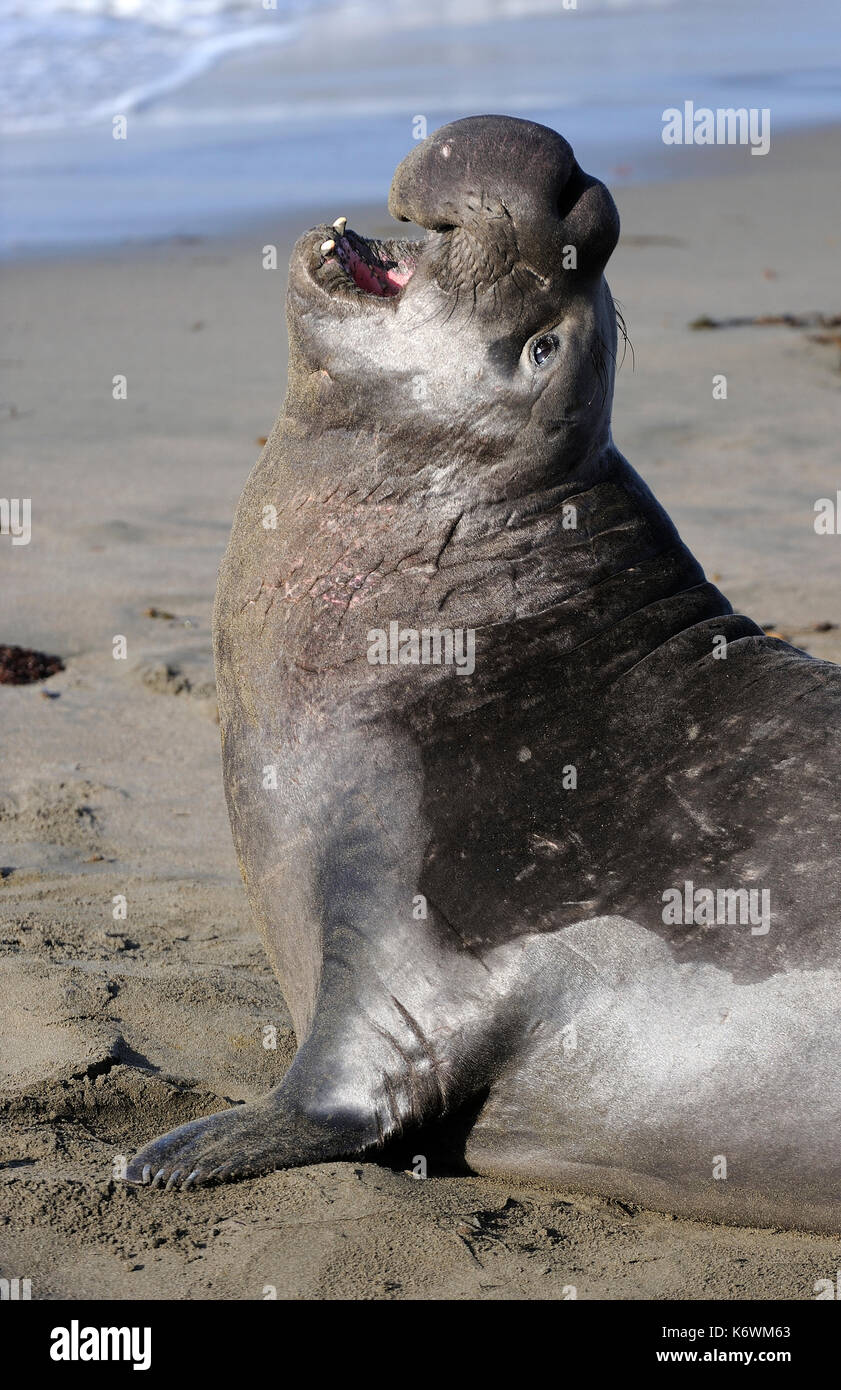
[535, 828]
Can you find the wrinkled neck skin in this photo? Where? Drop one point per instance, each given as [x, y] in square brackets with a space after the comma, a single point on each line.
[441, 494]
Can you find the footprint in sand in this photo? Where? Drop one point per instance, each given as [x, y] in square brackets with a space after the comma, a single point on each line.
[183, 671]
[69, 812]
[54, 1023]
[64, 1022]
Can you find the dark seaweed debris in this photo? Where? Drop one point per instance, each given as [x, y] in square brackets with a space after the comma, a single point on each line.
[20, 666]
[770, 320]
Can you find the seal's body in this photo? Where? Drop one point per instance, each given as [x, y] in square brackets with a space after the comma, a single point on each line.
[585, 883]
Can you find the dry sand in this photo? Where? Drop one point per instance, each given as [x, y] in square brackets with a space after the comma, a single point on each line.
[113, 1030]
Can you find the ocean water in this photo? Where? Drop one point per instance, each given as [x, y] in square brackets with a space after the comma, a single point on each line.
[235, 107]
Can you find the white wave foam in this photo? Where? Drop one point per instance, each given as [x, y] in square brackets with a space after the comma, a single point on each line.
[69, 62]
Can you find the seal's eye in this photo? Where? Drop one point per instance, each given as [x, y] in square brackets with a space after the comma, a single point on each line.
[543, 347]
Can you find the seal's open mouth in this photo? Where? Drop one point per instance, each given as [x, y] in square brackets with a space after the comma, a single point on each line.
[348, 264]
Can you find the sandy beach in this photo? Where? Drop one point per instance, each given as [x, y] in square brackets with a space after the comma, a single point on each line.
[119, 1027]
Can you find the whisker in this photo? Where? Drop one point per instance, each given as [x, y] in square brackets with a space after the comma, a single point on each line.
[626, 341]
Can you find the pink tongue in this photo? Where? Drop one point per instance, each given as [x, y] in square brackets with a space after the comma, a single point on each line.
[398, 278]
[367, 279]
[376, 280]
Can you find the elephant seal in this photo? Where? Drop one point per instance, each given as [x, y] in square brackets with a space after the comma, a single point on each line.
[536, 829]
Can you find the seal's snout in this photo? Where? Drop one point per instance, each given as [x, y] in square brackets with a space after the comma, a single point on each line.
[509, 191]
[478, 165]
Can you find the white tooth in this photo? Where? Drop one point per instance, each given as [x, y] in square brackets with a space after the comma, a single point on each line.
[340, 224]
[328, 246]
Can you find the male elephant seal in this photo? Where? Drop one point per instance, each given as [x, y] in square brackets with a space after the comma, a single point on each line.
[588, 893]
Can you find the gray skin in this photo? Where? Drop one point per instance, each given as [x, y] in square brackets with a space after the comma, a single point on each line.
[420, 470]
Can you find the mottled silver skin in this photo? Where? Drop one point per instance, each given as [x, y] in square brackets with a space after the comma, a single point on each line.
[419, 469]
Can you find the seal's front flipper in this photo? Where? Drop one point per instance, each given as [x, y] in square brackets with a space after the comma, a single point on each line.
[358, 1079]
[247, 1140]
